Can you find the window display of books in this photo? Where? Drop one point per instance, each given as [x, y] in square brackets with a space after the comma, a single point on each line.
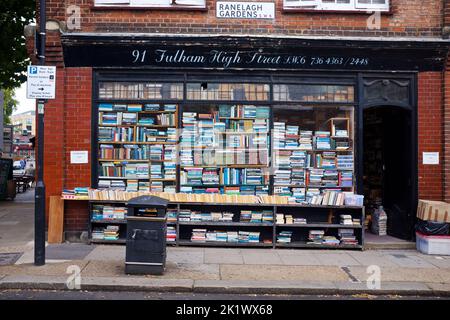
[136, 136]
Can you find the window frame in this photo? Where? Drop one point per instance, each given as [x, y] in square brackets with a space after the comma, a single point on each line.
[353, 6]
[140, 4]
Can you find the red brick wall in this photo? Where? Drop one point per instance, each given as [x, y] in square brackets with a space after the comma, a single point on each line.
[430, 130]
[408, 18]
[77, 137]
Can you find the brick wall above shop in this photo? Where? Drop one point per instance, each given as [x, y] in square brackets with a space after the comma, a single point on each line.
[412, 18]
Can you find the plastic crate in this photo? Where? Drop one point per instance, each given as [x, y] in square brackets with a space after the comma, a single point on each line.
[354, 200]
[439, 245]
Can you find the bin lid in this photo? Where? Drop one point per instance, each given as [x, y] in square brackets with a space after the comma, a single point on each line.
[148, 202]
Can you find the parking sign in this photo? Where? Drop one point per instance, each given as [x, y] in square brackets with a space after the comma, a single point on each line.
[41, 82]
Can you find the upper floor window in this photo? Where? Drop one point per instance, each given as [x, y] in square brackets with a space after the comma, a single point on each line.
[151, 3]
[345, 5]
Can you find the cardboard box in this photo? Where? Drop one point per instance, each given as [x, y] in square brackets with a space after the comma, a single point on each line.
[433, 211]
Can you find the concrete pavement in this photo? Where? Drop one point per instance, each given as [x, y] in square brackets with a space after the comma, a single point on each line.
[214, 270]
[238, 271]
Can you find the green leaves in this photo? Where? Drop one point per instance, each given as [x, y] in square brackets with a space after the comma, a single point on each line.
[14, 16]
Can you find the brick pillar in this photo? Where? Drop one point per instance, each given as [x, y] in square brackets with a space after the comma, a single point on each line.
[77, 121]
[430, 119]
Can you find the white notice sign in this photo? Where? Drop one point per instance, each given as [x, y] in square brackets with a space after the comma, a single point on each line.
[41, 82]
[77, 157]
[430, 157]
[245, 10]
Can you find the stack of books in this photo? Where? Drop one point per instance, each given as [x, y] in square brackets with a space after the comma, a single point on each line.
[191, 176]
[172, 215]
[279, 135]
[330, 241]
[210, 176]
[156, 152]
[306, 140]
[97, 234]
[292, 137]
[289, 219]
[345, 162]
[347, 237]
[151, 107]
[346, 179]
[284, 237]
[171, 235]
[346, 219]
[111, 233]
[322, 140]
[300, 221]
[315, 177]
[100, 212]
[280, 218]
[198, 235]
[298, 195]
[189, 131]
[316, 236]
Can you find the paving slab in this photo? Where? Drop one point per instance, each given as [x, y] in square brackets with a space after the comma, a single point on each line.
[406, 260]
[173, 270]
[185, 256]
[224, 258]
[282, 272]
[263, 257]
[336, 259]
[106, 253]
[303, 259]
[404, 274]
[49, 269]
[66, 251]
[368, 258]
[266, 287]
[442, 262]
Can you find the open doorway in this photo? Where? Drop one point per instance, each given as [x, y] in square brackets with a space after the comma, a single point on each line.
[389, 167]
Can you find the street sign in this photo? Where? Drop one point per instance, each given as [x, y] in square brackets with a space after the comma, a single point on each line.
[41, 82]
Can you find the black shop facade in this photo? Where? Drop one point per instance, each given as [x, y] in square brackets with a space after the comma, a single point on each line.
[242, 115]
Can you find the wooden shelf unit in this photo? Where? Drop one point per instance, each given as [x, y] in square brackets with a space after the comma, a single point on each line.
[328, 216]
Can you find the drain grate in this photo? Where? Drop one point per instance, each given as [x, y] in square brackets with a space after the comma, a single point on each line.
[9, 258]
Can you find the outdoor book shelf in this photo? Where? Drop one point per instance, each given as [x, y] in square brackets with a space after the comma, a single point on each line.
[318, 218]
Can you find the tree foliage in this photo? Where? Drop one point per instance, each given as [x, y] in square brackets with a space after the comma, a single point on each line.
[9, 105]
[14, 16]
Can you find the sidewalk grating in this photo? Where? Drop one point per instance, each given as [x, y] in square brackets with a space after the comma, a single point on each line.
[7, 259]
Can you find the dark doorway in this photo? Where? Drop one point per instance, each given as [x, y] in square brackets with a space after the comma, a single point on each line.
[388, 167]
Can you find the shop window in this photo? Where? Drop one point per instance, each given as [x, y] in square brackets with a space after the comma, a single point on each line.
[313, 93]
[228, 91]
[152, 3]
[141, 91]
[332, 5]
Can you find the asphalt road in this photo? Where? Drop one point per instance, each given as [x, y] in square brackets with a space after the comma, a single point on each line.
[123, 295]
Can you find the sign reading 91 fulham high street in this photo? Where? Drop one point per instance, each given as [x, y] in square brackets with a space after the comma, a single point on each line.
[245, 10]
[41, 82]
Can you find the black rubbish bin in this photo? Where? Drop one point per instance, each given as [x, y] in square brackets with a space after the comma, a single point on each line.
[146, 235]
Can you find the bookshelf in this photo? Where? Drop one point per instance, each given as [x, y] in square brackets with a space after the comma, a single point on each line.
[243, 225]
[312, 153]
[137, 146]
[225, 149]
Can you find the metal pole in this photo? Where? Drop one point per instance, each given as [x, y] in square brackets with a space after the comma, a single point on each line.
[39, 197]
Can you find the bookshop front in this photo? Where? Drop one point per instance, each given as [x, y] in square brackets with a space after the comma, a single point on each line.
[255, 141]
